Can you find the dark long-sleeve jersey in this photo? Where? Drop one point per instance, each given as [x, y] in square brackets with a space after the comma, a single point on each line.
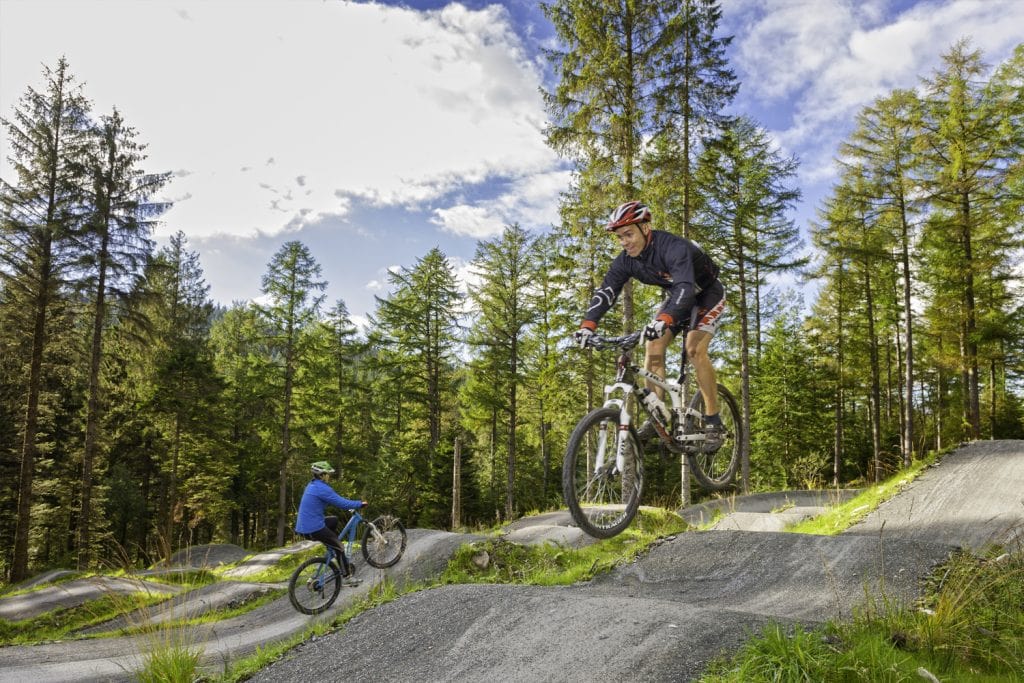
[677, 265]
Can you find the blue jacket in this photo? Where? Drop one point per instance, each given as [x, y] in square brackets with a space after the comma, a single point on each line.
[315, 499]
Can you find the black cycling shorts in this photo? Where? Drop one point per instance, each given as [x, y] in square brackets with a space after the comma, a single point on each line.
[706, 313]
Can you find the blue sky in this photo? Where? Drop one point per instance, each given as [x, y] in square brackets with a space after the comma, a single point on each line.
[373, 132]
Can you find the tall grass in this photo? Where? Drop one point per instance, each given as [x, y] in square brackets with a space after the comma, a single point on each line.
[841, 517]
[970, 627]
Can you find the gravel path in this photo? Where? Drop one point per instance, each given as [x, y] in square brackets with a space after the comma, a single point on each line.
[659, 619]
[664, 617]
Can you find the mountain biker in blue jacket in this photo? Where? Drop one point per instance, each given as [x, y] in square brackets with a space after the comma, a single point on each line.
[312, 523]
[694, 299]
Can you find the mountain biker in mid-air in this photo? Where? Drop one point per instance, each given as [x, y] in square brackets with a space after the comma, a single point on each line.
[311, 522]
[694, 299]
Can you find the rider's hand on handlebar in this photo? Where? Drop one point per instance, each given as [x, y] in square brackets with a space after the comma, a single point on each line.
[582, 336]
[655, 329]
[365, 503]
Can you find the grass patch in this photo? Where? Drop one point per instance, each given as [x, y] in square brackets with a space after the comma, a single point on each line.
[61, 624]
[498, 561]
[970, 627]
[172, 662]
[841, 517]
[189, 578]
[280, 571]
[213, 616]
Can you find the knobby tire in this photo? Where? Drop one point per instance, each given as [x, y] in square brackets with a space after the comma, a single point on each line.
[716, 470]
[304, 591]
[602, 503]
[384, 552]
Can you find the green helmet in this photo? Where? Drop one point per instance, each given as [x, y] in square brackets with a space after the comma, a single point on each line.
[322, 467]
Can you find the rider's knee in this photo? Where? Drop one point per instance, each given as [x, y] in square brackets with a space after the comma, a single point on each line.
[697, 352]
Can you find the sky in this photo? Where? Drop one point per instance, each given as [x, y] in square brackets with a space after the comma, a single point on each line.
[374, 132]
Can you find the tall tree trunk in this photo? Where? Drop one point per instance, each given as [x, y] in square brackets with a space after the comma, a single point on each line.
[510, 484]
[970, 341]
[744, 368]
[92, 417]
[19, 568]
[908, 334]
[875, 398]
[494, 458]
[286, 440]
[837, 456]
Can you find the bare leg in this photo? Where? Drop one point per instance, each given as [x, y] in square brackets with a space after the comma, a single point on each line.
[654, 359]
[697, 343]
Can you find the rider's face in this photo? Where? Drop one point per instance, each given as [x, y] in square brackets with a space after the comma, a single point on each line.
[632, 238]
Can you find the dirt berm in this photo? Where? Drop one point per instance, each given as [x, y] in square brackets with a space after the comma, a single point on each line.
[663, 617]
[659, 619]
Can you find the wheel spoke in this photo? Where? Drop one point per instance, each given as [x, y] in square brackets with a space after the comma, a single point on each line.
[601, 498]
[314, 586]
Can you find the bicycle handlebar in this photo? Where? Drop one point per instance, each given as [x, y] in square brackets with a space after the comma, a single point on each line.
[625, 342]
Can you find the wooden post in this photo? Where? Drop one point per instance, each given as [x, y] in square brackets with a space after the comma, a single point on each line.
[457, 485]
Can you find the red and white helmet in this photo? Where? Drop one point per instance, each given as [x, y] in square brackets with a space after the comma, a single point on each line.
[629, 213]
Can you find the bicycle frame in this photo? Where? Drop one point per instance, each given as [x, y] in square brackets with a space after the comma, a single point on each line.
[626, 383]
[347, 535]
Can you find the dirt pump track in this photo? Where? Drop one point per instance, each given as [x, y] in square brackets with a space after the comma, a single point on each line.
[661, 618]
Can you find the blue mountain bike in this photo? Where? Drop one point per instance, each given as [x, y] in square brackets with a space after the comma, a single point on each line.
[315, 584]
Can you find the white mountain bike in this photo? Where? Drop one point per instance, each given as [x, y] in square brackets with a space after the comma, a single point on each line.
[602, 474]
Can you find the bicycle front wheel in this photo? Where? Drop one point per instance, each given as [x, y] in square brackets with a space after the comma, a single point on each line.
[383, 541]
[314, 586]
[715, 469]
[602, 498]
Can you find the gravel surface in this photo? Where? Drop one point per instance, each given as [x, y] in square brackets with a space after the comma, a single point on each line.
[661, 618]
[665, 616]
[975, 497]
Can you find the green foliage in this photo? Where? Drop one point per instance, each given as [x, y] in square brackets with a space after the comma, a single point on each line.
[840, 517]
[788, 427]
[61, 624]
[498, 561]
[155, 420]
[969, 629]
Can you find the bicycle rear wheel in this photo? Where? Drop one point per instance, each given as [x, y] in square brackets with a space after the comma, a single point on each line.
[384, 548]
[314, 586]
[715, 469]
[602, 499]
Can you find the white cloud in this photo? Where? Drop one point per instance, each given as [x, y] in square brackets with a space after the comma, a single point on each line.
[473, 221]
[531, 201]
[833, 57]
[278, 114]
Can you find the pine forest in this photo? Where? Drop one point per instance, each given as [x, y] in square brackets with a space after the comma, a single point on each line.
[138, 416]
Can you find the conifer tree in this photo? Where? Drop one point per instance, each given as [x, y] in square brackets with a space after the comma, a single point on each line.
[242, 357]
[118, 245]
[291, 283]
[883, 143]
[505, 267]
[745, 184]
[419, 324]
[690, 110]
[183, 390]
[41, 212]
[788, 426]
[965, 154]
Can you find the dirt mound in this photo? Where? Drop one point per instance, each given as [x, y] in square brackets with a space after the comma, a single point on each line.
[212, 555]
